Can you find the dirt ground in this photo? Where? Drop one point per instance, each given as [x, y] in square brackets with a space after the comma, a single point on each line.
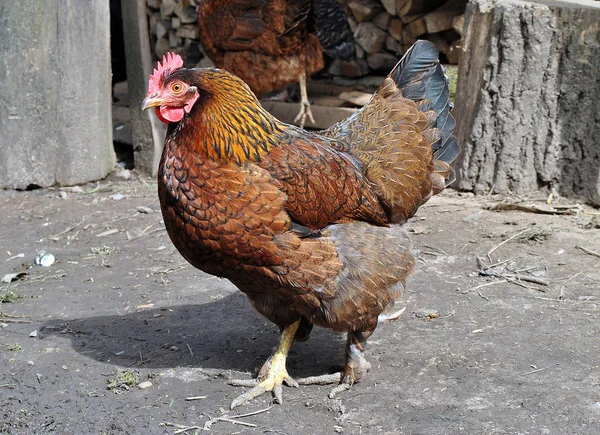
[478, 350]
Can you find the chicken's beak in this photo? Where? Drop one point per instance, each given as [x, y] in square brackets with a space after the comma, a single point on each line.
[152, 101]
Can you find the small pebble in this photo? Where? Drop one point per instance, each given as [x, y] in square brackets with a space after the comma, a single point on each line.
[62, 194]
[47, 260]
[44, 259]
[145, 210]
[117, 196]
[31, 363]
[33, 333]
[144, 385]
[38, 256]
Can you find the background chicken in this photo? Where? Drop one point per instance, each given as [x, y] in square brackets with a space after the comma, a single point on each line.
[305, 224]
[272, 43]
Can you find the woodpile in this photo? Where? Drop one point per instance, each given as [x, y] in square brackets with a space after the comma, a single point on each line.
[383, 29]
[173, 26]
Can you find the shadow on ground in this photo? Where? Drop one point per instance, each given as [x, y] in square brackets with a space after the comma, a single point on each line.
[225, 334]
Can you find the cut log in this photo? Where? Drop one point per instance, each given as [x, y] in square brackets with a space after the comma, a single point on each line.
[528, 97]
[442, 18]
[370, 37]
[187, 31]
[167, 7]
[395, 29]
[416, 28]
[390, 6]
[364, 10]
[458, 23]
[412, 7]
[392, 45]
[382, 20]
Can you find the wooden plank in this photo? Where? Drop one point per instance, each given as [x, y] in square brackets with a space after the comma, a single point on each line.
[148, 132]
[356, 97]
[324, 116]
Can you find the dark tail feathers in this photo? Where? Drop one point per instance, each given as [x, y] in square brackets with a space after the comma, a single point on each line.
[421, 78]
[333, 29]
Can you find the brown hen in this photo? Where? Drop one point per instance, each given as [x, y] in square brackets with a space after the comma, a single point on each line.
[272, 43]
[307, 225]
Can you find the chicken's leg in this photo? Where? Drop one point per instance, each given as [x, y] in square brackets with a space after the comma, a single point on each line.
[356, 366]
[304, 103]
[273, 373]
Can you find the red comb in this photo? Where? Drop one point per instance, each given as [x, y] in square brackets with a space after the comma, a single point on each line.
[170, 62]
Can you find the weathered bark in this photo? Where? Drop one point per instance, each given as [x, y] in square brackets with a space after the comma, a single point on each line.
[55, 99]
[528, 98]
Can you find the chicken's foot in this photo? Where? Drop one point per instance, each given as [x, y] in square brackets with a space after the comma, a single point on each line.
[356, 366]
[304, 103]
[272, 375]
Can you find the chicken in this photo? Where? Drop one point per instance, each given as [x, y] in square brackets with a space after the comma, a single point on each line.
[307, 225]
[272, 43]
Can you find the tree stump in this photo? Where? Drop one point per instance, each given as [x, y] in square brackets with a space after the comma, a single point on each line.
[55, 98]
[528, 97]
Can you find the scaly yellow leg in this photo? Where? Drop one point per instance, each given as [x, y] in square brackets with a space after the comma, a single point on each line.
[276, 374]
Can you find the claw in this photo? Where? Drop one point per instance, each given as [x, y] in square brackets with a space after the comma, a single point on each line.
[305, 104]
[340, 388]
[333, 378]
[272, 375]
[304, 112]
[273, 382]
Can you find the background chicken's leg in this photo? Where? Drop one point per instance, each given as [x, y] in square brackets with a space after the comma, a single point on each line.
[275, 374]
[304, 103]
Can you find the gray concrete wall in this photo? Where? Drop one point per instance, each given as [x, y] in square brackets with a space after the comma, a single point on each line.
[55, 96]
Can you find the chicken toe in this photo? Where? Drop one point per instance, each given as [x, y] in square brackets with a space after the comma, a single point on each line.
[356, 366]
[272, 375]
[304, 103]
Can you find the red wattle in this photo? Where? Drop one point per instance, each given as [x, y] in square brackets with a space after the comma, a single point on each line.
[159, 116]
[171, 114]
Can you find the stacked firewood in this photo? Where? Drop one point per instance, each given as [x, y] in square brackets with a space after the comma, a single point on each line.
[173, 26]
[383, 30]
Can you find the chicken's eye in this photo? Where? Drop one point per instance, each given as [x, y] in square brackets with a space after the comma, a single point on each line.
[177, 87]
